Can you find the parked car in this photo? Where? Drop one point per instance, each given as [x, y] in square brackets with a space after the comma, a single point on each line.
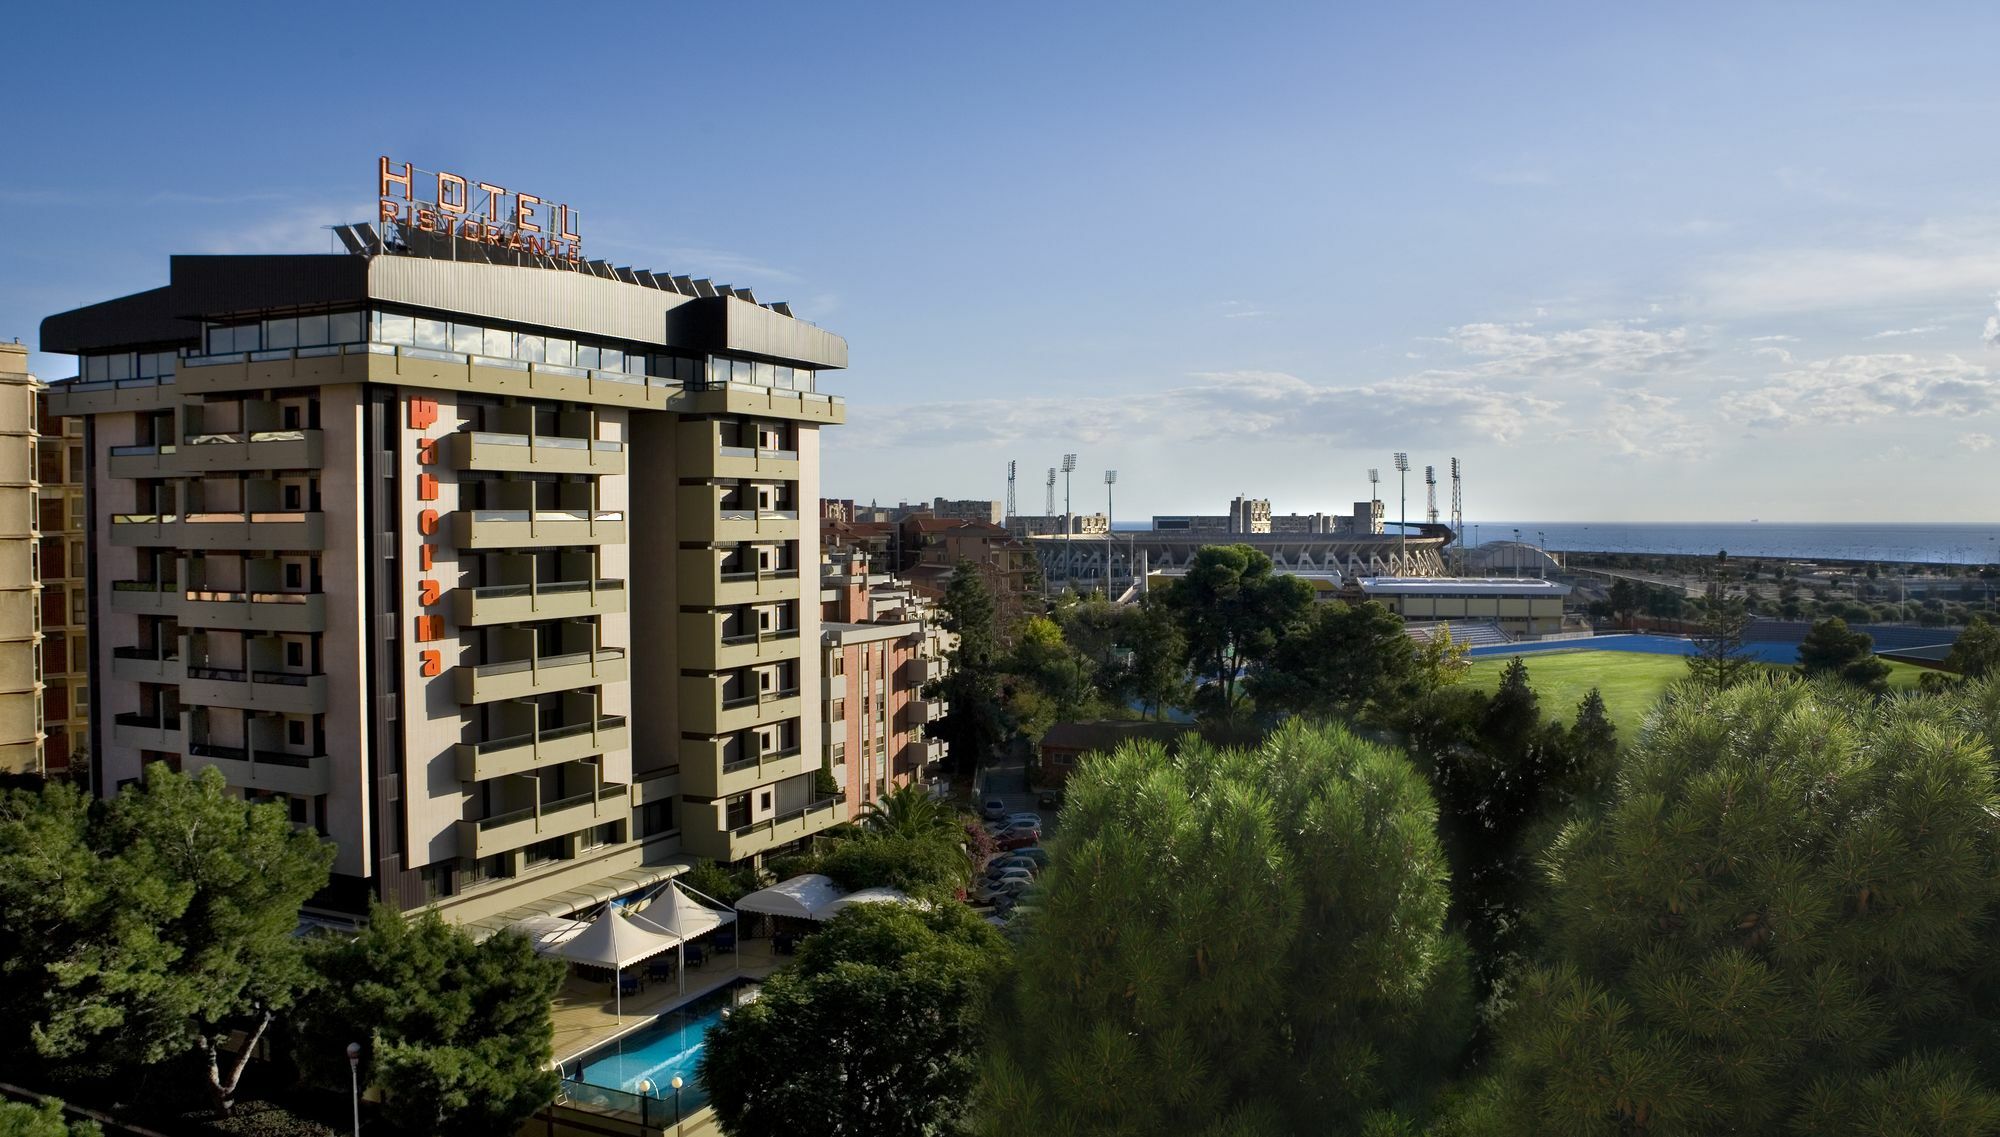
[1034, 853]
[1011, 861]
[1008, 829]
[1011, 887]
[994, 878]
[1018, 839]
[1049, 800]
[993, 810]
[1025, 816]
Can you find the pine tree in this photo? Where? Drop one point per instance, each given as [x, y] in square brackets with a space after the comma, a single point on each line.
[1782, 923]
[971, 684]
[1719, 659]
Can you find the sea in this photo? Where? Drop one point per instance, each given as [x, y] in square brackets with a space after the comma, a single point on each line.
[1958, 543]
[1903, 542]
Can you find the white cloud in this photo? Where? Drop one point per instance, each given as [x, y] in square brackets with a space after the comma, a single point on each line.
[1976, 442]
[1862, 388]
[1774, 339]
[1893, 333]
[1927, 264]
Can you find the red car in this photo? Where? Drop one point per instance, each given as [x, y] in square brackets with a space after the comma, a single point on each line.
[1019, 839]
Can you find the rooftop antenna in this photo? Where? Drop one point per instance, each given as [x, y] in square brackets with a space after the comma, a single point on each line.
[1110, 479]
[1402, 462]
[1457, 514]
[1431, 494]
[1013, 468]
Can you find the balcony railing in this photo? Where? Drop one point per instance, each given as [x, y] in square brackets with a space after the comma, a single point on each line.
[519, 753]
[518, 678]
[542, 600]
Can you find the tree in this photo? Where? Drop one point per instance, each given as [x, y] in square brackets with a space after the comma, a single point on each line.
[1233, 609]
[908, 810]
[875, 1032]
[455, 1033]
[971, 684]
[1830, 649]
[1976, 652]
[45, 1120]
[1719, 659]
[1240, 941]
[1157, 675]
[932, 866]
[1624, 599]
[1780, 924]
[170, 921]
[1342, 660]
[1440, 661]
[1592, 749]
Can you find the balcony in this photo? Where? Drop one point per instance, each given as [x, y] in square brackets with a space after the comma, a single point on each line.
[497, 757]
[709, 589]
[522, 678]
[146, 597]
[508, 831]
[766, 402]
[922, 671]
[705, 773]
[704, 517]
[296, 774]
[935, 750]
[705, 648]
[77, 397]
[141, 731]
[533, 453]
[147, 665]
[703, 455]
[254, 450]
[705, 710]
[535, 528]
[249, 531]
[758, 836]
[258, 611]
[143, 462]
[547, 600]
[276, 692]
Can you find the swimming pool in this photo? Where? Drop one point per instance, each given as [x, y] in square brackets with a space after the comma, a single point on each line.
[668, 1048]
[1766, 651]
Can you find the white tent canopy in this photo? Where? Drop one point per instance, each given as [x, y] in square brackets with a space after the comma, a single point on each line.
[612, 940]
[878, 895]
[547, 932]
[676, 914]
[802, 898]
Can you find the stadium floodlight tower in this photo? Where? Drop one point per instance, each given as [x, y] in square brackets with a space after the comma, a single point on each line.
[1110, 479]
[1403, 514]
[1013, 468]
[1431, 494]
[1374, 495]
[1049, 504]
[1069, 519]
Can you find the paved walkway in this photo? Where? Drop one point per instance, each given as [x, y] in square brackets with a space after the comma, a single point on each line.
[584, 1014]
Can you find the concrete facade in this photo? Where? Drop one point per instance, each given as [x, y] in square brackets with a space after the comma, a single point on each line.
[1520, 607]
[882, 648]
[20, 579]
[493, 573]
[65, 600]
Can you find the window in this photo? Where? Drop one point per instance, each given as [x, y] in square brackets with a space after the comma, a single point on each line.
[435, 334]
[79, 607]
[394, 327]
[295, 576]
[295, 654]
[543, 852]
[295, 732]
[657, 817]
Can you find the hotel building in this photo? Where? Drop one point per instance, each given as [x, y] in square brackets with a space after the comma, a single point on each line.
[490, 567]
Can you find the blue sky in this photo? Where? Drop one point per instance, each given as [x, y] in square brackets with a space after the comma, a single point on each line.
[1677, 263]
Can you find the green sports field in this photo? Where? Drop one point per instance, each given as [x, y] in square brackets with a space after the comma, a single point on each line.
[1629, 681]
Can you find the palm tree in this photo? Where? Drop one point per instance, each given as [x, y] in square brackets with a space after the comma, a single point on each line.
[909, 810]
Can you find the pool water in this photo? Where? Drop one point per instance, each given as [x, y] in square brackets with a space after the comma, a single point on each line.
[668, 1048]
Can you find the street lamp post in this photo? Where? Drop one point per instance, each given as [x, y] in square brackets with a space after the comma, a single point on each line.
[645, 1103]
[677, 1100]
[354, 1081]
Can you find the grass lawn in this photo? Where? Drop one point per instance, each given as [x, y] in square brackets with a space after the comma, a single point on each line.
[1629, 681]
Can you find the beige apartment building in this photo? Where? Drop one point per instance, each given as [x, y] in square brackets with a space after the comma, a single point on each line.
[489, 566]
[20, 579]
[882, 646]
[65, 602]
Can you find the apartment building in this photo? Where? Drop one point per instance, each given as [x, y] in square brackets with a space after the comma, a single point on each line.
[488, 565]
[882, 645]
[20, 579]
[62, 523]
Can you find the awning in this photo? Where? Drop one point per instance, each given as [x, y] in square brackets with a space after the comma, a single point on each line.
[878, 895]
[612, 940]
[546, 932]
[802, 898]
[580, 897]
[674, 913]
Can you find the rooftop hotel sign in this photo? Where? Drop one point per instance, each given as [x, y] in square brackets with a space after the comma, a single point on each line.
[451, 205]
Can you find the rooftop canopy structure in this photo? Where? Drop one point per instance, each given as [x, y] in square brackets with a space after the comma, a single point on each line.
[804, 897]
[614, 940]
